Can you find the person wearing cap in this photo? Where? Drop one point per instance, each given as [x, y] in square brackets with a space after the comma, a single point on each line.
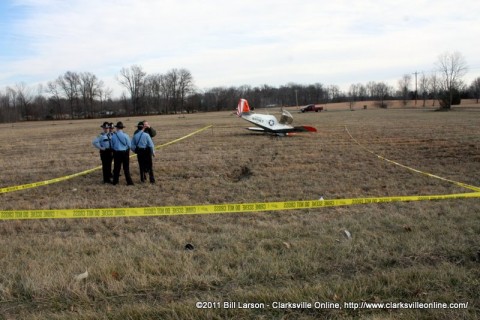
[147, 129]
[103, 142]
[143, 146]
[111, 127]
[121, 154]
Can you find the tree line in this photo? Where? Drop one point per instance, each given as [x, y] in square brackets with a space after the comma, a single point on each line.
[82, 95]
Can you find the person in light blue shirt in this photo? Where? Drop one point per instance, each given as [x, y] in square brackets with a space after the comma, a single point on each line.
[121, 154]
[103, 143]
[143, 146]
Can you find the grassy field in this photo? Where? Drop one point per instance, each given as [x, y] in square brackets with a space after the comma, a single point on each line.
[138, 268]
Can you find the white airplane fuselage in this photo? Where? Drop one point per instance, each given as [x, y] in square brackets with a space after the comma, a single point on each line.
[268, 123]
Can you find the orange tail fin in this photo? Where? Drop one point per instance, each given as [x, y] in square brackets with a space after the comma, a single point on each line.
[242, 107]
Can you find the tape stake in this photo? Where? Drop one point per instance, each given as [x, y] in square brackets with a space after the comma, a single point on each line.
[215, 209]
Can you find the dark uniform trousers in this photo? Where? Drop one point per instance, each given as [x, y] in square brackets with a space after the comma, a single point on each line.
[106, 156]
[121, 158]
[144, 157]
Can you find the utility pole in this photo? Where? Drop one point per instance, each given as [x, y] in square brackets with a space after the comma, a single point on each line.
[415, 73]
[296, 97]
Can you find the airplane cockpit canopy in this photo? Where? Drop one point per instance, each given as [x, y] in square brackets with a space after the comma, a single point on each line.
[286, 117]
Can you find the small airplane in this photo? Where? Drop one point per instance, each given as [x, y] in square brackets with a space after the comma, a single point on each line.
[268, 123]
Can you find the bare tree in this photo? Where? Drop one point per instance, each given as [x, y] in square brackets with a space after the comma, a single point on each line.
[53, 88]
[362, 92]
[124, 105]
[104, 95]
[24, 97]
[171, 88]
[151, 88]
[433, 85]
[133, 79]
[379, 92]
[315, 93]
[177, 85]
[475, 88]
[90, 88]
[352, 95]
[333, 92]
[8, 110]
[40, 103]
[423, 85]
[70, 84]
[452, 67]
[185, 87]
[371, 89]
[404, 85]
[3, 107]
[217, 97]
[12, 100]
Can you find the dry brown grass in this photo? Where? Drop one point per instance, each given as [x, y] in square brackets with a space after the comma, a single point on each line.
[139, 269]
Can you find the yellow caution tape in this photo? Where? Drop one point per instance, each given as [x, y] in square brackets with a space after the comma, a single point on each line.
[184, 137]
[215, 209]
[461, 184]
[43, 183]
[219, 208]
[55, 180]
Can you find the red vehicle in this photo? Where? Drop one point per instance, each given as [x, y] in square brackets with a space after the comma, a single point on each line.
[310, 108]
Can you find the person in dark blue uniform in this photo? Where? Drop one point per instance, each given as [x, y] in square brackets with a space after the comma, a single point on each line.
[121, 154]
[143, 146]
[103, 143]
[147, 129]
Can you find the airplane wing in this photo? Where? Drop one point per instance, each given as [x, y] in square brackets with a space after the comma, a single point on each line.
[256, 129]
[284, 132]
[305, 129]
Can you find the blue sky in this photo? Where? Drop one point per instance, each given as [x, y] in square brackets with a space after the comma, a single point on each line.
[231, 43]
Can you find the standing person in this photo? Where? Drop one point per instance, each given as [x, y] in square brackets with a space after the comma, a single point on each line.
[111, 127]
[121, 154]
[103, 142]
[143, 146]
[147, 129]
